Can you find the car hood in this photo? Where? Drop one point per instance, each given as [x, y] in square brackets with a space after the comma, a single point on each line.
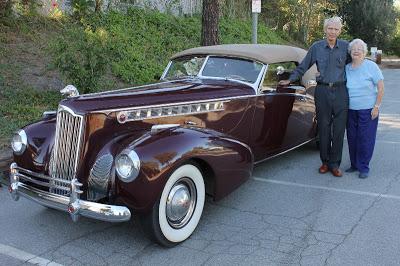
[158, 94]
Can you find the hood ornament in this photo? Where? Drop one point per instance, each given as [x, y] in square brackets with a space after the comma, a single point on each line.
[70, 91]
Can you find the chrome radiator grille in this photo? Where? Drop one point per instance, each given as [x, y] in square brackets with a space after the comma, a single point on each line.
[66, 151]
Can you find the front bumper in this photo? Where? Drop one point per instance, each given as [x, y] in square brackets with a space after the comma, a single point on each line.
[72, 204]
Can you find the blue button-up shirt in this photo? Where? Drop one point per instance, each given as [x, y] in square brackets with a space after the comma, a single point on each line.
[330, 61]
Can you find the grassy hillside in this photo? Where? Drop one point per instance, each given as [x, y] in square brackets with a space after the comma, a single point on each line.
[136, 46]
[38, 56]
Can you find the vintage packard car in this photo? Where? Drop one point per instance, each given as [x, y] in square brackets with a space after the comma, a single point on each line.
[156, 151]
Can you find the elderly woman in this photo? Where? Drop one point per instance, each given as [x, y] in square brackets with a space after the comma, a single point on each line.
[365, 87]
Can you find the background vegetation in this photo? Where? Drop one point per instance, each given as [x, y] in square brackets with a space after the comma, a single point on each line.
[95, 51]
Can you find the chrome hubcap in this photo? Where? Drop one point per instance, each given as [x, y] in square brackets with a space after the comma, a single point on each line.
[181, 202]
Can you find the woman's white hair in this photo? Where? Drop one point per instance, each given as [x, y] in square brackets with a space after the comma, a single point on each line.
[358, 41]
[332, 20]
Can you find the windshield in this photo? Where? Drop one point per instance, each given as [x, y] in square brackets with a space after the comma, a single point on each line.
[184, 67]
[232, 68]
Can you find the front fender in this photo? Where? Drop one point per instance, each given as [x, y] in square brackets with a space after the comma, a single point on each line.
[230, 161]
[40, 142]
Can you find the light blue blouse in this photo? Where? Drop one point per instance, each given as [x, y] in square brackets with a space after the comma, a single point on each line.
[362, 84]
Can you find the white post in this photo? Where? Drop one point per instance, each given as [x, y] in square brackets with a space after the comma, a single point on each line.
[255, 9]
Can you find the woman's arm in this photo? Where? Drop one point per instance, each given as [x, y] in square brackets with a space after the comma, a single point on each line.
[375, 110]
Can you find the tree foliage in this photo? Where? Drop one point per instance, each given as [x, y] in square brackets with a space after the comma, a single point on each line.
[300, 19]
[371, 20]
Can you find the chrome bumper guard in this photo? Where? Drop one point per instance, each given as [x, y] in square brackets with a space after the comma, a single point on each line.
[72, 204]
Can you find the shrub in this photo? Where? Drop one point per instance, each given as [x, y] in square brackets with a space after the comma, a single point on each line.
[395, 45]
[82, 56]
[136, 46]
[81, 8]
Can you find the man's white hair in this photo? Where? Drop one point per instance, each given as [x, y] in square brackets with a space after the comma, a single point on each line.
[332, 20]
[358, 41]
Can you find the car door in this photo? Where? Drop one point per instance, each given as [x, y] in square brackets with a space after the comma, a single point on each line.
[283, 115]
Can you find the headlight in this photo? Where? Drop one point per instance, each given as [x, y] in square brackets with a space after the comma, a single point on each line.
[19, 142]
[127, 165]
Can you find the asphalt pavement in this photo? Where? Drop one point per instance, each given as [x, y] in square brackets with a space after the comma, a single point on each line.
[286, 214]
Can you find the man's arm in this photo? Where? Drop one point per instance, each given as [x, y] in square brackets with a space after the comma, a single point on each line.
[307, 62]
[302, 68]
[348, 56]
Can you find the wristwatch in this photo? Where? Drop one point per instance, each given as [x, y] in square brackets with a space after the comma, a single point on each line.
[377, 105]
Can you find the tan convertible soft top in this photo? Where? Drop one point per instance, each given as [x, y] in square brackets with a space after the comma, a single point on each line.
[264, 53]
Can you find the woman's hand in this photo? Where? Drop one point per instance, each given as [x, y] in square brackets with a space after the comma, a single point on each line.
[374, 112]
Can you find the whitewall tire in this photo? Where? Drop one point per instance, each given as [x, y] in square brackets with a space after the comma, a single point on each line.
[176, 215]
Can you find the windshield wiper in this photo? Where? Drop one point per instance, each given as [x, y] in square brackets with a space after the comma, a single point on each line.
[181, 77]
[237, 77]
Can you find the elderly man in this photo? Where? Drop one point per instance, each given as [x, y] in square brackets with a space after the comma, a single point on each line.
[331, 97]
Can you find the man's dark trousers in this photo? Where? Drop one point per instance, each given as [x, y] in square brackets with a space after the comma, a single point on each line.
[331, 104]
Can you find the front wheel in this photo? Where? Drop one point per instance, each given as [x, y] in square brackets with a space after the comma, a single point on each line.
[176, 215]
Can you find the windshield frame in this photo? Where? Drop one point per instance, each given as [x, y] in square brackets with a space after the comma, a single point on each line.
[254, 84]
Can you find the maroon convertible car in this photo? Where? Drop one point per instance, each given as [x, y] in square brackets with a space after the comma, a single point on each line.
[155, 151]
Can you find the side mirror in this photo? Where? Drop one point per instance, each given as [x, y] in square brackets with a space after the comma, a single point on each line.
[280, 70]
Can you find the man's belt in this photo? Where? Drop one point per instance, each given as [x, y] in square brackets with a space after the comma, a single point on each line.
[332, 84]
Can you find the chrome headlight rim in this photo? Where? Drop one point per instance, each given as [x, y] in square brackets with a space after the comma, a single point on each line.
[135, 165]
[23, 142]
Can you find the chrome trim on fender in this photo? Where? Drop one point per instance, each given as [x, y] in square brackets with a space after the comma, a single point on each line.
[158, 128]
[169, 110]
[223, 100]
[73, 205]
[276, 155]
[240, 143]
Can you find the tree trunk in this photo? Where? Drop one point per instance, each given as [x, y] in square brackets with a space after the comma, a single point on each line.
[5, 8]
[98, 5]
[307, 23]
[210, 20]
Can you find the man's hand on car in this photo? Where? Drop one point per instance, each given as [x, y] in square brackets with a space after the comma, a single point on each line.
[284, 82]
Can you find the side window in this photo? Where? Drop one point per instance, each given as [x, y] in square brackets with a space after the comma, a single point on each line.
[277, 72]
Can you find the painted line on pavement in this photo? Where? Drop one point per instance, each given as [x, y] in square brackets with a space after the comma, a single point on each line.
[392, 101]
[382, 141]
[387, 141]
[357, 192]
[25, 256]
